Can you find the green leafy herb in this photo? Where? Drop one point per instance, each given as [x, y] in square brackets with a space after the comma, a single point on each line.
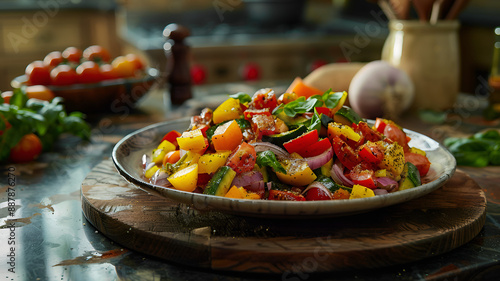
[298, 106]
[330, 98]
[315, 123]
[242, 97]
[479, 150]
[268, 159]
[48, 120]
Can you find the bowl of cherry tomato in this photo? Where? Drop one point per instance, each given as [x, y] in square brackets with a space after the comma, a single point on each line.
[91, 81]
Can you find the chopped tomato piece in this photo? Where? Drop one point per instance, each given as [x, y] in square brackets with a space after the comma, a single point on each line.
[346, 155]
[363, 177]
[263, 125]
[284, 195]
[316, 194]
[395, 134]
[370, 152]
[172, 157]
[249, 113]
[301, 142]
[368, 133]
[242, 159]
[420, 161]
[264, 98]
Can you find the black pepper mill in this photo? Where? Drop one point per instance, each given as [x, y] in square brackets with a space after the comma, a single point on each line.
[177, 70]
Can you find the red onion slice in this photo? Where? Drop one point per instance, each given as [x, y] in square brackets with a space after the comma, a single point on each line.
[379, 191]
[316, 184]
[264, 146]
[338, 176]
[387, 184]
[160, 178]
[247, 178]
[320, 160]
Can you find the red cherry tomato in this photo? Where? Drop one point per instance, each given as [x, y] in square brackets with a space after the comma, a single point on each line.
[38, 73]
[27, 149]
[108, 72]
[123, 67]
[96, 53]
[72, 54]
[316, 194]
[63, 75]
[6, 97]
[135, 60]
[53, 59]
[88, 72]
[243, 158]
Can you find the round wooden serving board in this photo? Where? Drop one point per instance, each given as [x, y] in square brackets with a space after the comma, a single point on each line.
[431, 225]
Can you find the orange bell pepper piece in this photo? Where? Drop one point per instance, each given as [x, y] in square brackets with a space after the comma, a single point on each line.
[227, 136]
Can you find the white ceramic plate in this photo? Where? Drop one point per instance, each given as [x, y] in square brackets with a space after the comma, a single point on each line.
[127, 155]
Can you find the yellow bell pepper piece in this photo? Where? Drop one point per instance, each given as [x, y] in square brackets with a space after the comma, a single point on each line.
[298, 173]
[338, 129]
[185, 179]
[228, 110]
[381, 173]
[210, 162]
[192, 141]
[418, 151]
[151, 171]
[394, 159]
[162, 149]
[189, 159]
[240, 193]
[340, 104]
[359, 191]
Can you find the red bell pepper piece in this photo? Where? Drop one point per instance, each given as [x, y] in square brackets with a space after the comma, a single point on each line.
[172, 137]
[284, 195]
[323, 110]
[301, 142]
[380, 125]
[316, 148]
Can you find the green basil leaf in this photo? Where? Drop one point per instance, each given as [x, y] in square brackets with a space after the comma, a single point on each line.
[18, 98]
[332, 99]
[242, 97]
[315, 123]
[268, 159]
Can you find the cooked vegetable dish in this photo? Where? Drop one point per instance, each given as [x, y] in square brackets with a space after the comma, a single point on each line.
[297, 147]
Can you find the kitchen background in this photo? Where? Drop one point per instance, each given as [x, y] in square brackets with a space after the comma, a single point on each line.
[231, 40]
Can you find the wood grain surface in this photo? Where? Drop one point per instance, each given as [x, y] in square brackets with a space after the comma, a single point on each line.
[436, 223]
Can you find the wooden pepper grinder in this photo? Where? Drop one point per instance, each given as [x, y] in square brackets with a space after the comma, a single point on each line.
[177, 69]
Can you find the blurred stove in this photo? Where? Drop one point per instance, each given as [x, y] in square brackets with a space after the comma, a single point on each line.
[235, 52]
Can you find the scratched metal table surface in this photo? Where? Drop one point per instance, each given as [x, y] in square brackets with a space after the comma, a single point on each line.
[44, 235]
